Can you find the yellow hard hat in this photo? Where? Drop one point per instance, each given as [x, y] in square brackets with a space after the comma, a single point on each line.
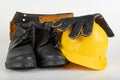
[87, 51]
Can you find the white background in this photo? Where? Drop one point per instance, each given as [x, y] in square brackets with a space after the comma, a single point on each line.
[109, 8]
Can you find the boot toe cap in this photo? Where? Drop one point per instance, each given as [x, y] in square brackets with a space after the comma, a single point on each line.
[20, 63]
[53, 61]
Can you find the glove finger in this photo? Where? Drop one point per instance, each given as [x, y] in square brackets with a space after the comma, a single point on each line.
[58, 23]
[101, 21]
[88, 26]
[64, 26]
[77, 27]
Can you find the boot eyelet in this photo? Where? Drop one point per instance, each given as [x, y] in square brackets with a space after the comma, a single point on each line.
[24, 15]
[23, 20]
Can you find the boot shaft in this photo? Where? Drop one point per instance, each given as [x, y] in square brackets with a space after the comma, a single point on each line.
[45, 34]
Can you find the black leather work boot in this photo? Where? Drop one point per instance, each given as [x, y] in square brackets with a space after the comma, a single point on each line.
[21, 54]
[47, 49]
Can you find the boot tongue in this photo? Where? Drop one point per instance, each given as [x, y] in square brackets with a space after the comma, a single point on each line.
[47, 26]
[53, 34]
[23, 33]
[43, 33]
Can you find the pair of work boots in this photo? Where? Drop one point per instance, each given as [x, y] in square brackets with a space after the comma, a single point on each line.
[33, 43]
